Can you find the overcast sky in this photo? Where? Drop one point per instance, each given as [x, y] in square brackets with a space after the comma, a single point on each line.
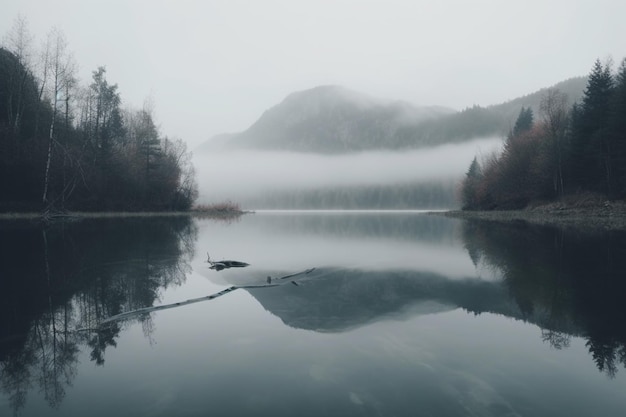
[215, 66]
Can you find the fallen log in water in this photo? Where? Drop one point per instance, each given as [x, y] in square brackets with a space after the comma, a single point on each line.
[225, 264]
[270, 283]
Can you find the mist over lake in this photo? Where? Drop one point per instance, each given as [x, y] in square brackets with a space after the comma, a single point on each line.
[312, 208]
[247, 177]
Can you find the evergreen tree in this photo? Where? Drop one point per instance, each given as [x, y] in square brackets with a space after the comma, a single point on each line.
[617, 130]
[523, 123]
[469, 188]
[597, 98]
[105, 121]
[591, 150]
[21, 153]
[150, 148]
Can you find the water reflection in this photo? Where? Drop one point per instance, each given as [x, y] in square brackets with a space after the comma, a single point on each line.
[570, 282]
[284, 242]
[59, 282]
[373, 274]
[337, 300]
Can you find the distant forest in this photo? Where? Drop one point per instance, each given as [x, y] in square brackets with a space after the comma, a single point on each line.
[570, 151]
[426, 195]
[67, 146]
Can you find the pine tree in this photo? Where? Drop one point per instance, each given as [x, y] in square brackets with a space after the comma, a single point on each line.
[591, 150]
[523, 123]
[617, 130]
[469, 188]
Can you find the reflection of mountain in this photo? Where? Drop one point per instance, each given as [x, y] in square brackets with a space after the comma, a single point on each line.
[339, 300]
[56, 281]
[567, 281]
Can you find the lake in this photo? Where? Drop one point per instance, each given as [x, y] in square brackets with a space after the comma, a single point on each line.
[338, 313]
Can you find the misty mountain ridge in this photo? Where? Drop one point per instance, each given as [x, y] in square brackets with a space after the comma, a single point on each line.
[327, 119]
[334, 119]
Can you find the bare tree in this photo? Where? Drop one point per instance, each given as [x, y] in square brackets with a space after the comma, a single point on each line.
[187, 191]
[554, 113]
[61, 79]
[19, 42]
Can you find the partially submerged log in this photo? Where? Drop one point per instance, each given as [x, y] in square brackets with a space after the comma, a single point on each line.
[270, 283]
[225, 264]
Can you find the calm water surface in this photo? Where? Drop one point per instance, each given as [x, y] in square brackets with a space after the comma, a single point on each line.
[405, 314]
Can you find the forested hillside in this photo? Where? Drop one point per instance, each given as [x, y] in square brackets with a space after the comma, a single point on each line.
[568, 149]
[331, 119]
[65, 145]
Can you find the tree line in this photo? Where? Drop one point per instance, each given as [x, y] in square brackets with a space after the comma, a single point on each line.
[68, 146]
[560, 280]
[570, 150]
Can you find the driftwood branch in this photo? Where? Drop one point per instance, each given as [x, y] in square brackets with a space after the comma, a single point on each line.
[225, 264]
[270, 283]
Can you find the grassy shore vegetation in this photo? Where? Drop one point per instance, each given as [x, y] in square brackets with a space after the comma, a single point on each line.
[225, 209]
[570, 153]
[65, 145]
[222, 210]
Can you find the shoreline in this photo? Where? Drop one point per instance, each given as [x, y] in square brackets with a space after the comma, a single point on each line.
[607, 216]
[214, 214]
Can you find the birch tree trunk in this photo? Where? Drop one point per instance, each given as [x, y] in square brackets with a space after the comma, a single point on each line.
[62, 73]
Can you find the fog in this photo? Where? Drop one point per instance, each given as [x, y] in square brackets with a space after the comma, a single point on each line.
[243, 176]
[215, 66]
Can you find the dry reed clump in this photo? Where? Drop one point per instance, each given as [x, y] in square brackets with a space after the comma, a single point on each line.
[226, 207]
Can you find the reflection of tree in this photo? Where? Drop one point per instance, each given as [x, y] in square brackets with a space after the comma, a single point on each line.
[57, 357]
[16, 376]
[606, 354]
[100, 340]
[558, 340]
[567, 281]
[65, 279]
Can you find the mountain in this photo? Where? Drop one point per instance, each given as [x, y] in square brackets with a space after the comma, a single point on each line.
[574, 89]
[328, 119]
[332, 119]
[479, 122]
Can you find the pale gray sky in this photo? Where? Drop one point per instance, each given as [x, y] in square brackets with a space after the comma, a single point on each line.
[215, 66]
